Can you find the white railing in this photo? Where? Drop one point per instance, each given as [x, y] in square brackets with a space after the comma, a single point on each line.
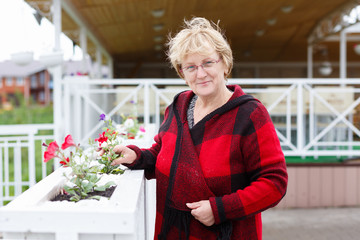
[20, 151]
[313, 117]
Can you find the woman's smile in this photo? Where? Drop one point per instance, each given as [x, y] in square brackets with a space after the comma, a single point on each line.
[203, 83]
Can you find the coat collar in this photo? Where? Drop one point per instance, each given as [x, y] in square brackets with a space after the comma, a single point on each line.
[182, 101]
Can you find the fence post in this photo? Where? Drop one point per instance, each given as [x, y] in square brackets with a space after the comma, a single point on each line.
[146, 104]
[299, 118]
[31, 159]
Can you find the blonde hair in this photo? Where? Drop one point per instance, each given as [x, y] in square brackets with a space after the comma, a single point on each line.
[198, 36]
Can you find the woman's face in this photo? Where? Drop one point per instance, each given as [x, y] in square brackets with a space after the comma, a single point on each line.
[205, 74]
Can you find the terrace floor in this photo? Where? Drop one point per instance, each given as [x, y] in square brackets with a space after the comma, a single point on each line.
[311, 224]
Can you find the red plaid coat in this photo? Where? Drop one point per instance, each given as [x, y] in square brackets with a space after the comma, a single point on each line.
[232, 157]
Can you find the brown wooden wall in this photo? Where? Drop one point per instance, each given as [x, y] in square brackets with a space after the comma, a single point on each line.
[319, 185]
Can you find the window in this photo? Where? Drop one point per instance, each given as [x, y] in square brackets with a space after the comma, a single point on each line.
[41, 96]
[19, 81]
[9, 81]
[42, 79]
[33, 81]
[33, 96]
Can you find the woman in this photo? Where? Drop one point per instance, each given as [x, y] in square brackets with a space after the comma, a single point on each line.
[217, 158]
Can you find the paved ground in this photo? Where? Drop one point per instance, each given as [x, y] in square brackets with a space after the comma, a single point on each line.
[312, 224]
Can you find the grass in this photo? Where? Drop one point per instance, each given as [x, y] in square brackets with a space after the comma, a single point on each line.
[23, 113]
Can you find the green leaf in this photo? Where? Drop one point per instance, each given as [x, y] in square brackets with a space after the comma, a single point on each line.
[109, 184]
[95, 197]
[100, 188]
[75, 199]
[83, 194]
[117, 171]
[70, 190]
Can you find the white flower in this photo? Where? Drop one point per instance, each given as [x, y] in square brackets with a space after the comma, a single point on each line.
[129, 123]
[104, 144]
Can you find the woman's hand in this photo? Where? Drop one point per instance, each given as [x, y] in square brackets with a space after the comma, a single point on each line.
[127, 155]
[202, 212]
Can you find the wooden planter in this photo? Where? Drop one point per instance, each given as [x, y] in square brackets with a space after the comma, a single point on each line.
[120, 217]
[322, 185]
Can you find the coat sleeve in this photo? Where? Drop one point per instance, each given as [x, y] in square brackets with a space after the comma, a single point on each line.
[146, 158]
[266, 169]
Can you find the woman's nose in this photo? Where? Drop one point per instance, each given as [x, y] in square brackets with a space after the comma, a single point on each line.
[200, 72]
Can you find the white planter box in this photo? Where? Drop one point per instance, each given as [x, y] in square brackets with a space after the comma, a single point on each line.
[32, 216]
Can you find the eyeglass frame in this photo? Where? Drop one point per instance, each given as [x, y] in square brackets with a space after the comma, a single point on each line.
[197, 66]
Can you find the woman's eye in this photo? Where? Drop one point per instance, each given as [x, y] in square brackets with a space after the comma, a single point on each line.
[208, 63]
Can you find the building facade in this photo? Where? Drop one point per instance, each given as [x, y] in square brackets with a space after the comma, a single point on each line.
[32, 81]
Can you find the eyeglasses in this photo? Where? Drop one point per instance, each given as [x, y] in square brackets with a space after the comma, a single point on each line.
[192, 69]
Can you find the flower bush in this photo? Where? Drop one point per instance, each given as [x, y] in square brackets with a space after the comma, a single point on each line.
[115, 135]
[130, 128]
[88, 165]
[84, 178]
[107, 140]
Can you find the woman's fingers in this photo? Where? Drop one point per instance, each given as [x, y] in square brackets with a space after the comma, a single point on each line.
[126, 154]
[202, 212]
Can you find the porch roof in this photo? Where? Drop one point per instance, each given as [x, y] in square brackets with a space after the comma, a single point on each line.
[11, 69]
[125, 28]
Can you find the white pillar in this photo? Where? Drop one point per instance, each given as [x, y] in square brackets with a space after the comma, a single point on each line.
[83, 46]
[310, 61]
[57, 69]
[111, 68]
[343, 54]
[98, 62]
[57, 75]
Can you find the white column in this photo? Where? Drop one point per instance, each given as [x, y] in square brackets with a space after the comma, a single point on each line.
[111, 68]
[343, 55]
[310, 61]
[98, 63]
[57, 73]
[83, 46]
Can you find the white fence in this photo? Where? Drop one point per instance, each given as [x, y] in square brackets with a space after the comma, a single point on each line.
[313, 117]
[21, 154]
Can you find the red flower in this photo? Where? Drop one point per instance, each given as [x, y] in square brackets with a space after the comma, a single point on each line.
[48, 156]
[101, 138]
[65, 163]
[50, 153]
[68, 142]
[130, 136]
[111, 132]
[53, 146]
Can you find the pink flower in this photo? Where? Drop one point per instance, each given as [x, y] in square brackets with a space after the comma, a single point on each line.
[50, 153]
[68, 142]
[142, 129]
